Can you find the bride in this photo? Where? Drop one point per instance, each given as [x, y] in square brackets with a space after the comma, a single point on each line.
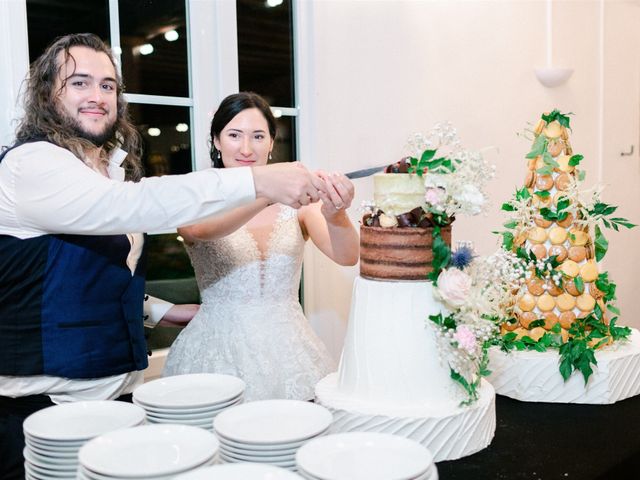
[248, 263]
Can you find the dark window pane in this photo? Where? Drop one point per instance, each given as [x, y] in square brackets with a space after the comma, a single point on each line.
[168, 152]
[47, 20]
[170, 277]
[284, 148]
[165, 70]
[265, 50]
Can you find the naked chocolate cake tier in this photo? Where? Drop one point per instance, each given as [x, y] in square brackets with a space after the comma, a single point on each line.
[397, 253]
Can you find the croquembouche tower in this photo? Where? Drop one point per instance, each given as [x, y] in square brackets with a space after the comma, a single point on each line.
[563, 341]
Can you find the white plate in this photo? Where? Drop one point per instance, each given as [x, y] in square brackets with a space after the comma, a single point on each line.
[189, 391]
[149, 450]
[266, 447]
[49, 462]
[208, 422]
[240, 471]
[364, 456]
[84, 474]
[46, 473]
[257, 453]
[81, 420]
[273, 422]
[258, 458]
[218, 407]
[56, 454]
[62, 447]
[227, 459]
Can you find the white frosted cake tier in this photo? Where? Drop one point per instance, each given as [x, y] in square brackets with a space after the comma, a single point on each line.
[448, 435]
[391, 379]
[534, 376]
[390, 356]
[396, 193]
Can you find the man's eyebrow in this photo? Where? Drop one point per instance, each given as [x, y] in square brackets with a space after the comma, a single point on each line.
[86, 75]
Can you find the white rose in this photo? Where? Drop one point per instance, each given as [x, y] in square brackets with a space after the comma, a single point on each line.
[471, 198]
[453, 287]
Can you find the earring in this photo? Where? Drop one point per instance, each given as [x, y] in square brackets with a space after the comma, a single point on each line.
[270, 157]
[219, 156]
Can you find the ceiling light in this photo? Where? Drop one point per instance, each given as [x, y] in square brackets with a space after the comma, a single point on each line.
[182, 127]
[171, 36]
[274, 3]
[154, 132]
[146, 49]
[277, 113]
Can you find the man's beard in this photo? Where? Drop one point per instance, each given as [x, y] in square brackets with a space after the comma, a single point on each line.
[99, 138]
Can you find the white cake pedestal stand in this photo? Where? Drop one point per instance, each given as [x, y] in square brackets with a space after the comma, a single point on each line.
[391, 379]
[534, 376]
[448, 435]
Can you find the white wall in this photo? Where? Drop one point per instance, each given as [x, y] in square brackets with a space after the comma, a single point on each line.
[378, 71]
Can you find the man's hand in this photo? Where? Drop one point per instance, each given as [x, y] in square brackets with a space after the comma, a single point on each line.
[287, 183]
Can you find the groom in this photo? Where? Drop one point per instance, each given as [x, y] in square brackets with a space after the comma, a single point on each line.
[71, 264]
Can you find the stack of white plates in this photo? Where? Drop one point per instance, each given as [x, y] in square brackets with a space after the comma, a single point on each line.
[148, 451]
[269, 431]
[241, 471]
[193, 399]
[54, 435]
[365, 456]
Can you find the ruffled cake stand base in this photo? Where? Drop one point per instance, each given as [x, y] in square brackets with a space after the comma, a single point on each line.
[451, 434]
[534, 376]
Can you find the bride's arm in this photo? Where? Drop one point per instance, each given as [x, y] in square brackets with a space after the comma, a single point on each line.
[223, 224]
[327, 222]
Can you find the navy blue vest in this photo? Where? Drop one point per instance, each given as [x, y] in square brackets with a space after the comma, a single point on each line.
[70, 307]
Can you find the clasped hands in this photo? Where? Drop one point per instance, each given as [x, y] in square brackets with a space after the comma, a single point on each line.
[292, 184]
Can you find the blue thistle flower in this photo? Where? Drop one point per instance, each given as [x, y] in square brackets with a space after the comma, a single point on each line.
[462, 257]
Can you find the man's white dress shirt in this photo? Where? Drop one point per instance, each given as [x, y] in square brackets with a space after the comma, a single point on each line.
[45, 189]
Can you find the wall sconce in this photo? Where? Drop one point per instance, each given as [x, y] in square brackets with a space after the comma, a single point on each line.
[551, 76]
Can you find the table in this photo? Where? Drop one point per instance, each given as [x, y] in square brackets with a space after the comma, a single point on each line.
[556, 441]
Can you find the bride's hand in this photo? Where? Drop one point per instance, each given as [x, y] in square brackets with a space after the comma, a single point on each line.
[339, 194]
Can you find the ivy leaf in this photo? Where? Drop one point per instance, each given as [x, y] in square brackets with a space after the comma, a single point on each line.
[507, 241]
[537, 323]
[575, 160]
[562, 118]
[579, 283]
[427, 155]
[507, 207]
[543, 194]
[523, 194]
[566, 368]
[548, 160]
[563, 203]
[613, 309]
[538, 148]
[546, 170]
[601, 244]
[582, 175]
[511, 224]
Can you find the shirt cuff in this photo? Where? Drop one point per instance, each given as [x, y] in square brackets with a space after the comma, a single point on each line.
[154, 310]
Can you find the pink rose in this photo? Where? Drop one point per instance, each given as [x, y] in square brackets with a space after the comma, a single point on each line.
[465, 338]
[453, 287]
[434, 196]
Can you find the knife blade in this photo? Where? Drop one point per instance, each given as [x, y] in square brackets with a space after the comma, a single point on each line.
[366, 172]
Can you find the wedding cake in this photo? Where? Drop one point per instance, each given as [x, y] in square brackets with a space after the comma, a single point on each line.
[563, 314]
[400, 372]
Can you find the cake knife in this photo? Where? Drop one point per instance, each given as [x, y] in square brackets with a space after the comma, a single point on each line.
[364, 172]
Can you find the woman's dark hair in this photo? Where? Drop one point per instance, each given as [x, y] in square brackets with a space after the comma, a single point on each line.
[229, 108]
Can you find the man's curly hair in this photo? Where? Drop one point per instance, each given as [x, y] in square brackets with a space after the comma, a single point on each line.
[43, 118]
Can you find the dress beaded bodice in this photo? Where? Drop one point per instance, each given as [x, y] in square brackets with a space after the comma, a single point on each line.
[232, 269]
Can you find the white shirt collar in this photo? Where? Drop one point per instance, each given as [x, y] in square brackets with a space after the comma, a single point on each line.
[116, 172]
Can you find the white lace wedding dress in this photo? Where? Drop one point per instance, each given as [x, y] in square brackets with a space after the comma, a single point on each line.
[250, 323]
